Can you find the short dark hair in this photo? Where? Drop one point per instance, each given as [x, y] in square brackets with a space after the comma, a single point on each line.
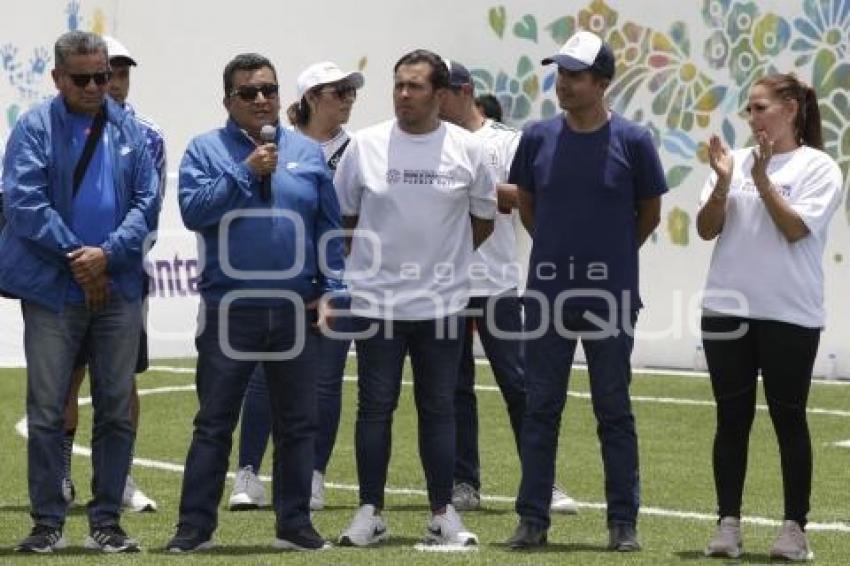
[439, 71]
[244, 62]
[490, 106]
[77, 43]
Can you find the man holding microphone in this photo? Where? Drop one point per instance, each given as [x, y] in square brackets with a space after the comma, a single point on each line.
[261, 208]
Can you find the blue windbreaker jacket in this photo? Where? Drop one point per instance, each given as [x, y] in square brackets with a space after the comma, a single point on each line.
[38, 170]
[290, 244]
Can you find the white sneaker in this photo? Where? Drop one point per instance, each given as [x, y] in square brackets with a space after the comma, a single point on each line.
[135, 499]
[562, 503]
[248, 491]
[68, 491]
[465, 497]
[365, 529]
[727, 541]
[317, 491]
[446, 533]
[791, 544]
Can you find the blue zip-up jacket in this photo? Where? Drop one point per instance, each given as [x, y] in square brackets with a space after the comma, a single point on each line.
[267, 246]
[38, 170]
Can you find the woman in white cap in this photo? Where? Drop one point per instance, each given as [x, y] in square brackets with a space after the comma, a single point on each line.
[326, 96]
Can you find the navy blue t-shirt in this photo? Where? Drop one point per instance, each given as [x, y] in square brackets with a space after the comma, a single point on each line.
[586, 187]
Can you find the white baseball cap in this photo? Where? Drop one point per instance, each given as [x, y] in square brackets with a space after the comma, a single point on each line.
[324, 73]
[585, 50]
[117, 50]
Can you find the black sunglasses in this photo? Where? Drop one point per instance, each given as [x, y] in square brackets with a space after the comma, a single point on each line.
[82, 80]
[248, 93]
[341, 90]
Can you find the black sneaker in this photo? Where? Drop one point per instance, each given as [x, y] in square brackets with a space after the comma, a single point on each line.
[189, 539]
[110, 538]
[527, 535]
[305, 538]
[622, 537]
[42, 539]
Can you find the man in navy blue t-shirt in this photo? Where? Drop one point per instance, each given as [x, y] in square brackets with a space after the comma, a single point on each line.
[590, 185]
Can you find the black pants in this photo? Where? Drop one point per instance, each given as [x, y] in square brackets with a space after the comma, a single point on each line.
[736, 349]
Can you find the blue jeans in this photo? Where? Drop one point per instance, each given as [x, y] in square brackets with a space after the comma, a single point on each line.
[548, 362]
[51, 343]
[506, 360]
[256, 413]
[221, 381]
[434, 347]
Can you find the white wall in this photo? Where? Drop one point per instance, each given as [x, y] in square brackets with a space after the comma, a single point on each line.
[183, 46]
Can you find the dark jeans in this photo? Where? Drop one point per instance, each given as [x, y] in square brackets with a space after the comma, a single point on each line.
[51, 342]
[548, 362]
[256, 412]
[785, 354]
[434, 347]
[221, 380]
[506, 360]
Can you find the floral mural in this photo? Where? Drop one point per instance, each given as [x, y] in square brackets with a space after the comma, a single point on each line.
[692, 89]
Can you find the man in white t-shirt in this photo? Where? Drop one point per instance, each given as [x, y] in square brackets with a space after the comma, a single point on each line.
[494, 307]
[421, 196]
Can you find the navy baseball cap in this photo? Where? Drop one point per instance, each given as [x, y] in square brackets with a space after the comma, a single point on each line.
[458, 74]
[585, 51]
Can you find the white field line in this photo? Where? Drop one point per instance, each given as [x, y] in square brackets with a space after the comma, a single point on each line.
[576, 394]
[21, 429]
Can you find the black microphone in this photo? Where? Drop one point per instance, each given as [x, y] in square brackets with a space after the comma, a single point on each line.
[267, 134]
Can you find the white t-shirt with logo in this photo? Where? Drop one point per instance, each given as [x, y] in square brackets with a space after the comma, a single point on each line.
[413, 194]
[755, 271]
[496, 266]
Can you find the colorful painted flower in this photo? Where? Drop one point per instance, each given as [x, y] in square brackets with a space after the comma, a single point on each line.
[714, 12]
[630, 45]
[516, 94]
[562, 29]
[683, 93]
[716, 50]
[678, 226]
[744, 62]
[825, 26]
[770, 35]
[835, 114]
[740, 20]
[598, 17]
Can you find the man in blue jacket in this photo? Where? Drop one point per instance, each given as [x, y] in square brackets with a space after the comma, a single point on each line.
[72, 251]
[262, 200]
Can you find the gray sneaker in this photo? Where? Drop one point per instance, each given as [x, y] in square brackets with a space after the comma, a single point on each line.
[465, 497]
[791, 544]
[317, 491]
[367, 528]
[446, 533]
[248, 491]
[562, 503]
[726, 542]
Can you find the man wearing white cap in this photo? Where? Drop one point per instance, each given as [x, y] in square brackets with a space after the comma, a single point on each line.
[326, 95]
[134, 498]
[590, 185]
